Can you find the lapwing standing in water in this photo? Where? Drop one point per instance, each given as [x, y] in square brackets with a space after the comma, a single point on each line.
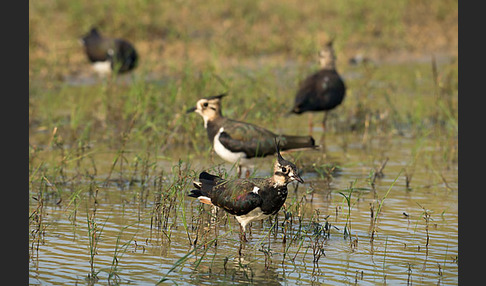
[238, 142]
[109, 54]
[322, 90]
[248, 199]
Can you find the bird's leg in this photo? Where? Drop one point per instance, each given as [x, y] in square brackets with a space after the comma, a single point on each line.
[323, 143]
[241, 248]
[243, 234]
[324, 121]
[247, 174]
[311, 125]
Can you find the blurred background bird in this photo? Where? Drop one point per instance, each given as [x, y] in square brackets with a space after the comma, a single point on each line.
[323, 90]
[109, 54]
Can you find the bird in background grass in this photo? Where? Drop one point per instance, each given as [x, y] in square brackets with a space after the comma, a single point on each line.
[109, 55]
[238, 142]
[321, 91]
[248, 199]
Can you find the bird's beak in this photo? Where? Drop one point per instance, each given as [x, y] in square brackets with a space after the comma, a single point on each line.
[192, 109]
[298, 178]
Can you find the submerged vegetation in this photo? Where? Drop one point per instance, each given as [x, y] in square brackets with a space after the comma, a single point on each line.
[111, 160]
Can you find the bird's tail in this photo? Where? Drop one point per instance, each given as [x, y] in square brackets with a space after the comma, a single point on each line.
[206, 182]
[296, 142]
[200, 195]
[198, 192]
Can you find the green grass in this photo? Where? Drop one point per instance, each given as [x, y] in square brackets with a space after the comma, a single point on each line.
[145, 114]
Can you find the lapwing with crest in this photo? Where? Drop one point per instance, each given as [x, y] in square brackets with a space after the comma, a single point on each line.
[238, 142]
[248, 199]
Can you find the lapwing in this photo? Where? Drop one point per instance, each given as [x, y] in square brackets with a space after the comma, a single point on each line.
[239, 142]
[323, 90]
[109, 54]
[248, 199]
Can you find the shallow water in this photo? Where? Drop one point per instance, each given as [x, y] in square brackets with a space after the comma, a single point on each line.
[132, 249]
[148, 230]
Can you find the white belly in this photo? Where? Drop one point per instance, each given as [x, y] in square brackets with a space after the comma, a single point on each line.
[226, 154]
[255, 214]
[102, 68]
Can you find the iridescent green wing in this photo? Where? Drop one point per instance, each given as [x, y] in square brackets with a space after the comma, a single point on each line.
[251, 139]
[237, 197]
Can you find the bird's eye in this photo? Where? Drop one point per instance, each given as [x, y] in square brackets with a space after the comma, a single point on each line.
[284, 169]
[205, 104]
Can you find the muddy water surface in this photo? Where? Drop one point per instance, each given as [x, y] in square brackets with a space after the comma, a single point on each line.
[317, 238]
